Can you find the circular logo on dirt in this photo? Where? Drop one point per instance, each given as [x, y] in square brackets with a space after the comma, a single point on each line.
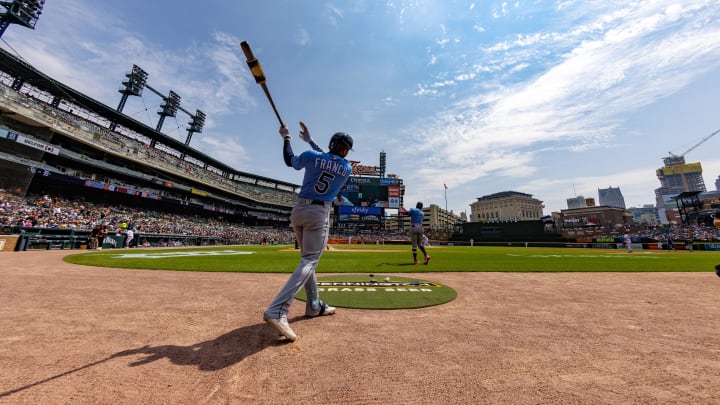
[378, 291]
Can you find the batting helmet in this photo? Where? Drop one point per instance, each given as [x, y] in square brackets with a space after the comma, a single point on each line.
[419, 205]
[340, 141]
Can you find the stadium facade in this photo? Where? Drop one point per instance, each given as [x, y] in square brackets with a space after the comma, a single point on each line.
[506, 206]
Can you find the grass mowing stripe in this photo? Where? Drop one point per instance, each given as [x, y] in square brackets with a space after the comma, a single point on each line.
[398, 259]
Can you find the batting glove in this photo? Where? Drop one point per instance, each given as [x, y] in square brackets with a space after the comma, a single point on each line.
[285, 133]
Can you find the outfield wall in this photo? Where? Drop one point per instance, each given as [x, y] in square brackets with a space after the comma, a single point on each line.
[650, 245]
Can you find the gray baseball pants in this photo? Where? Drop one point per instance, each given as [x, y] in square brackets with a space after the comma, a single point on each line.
[311, 223]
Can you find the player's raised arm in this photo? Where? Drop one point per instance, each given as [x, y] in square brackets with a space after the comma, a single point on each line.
[305, 136]
[287, 147]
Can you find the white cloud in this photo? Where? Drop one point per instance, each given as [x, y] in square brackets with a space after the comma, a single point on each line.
[302, 37]
[579, 101]
[333, 14]
[224, 148]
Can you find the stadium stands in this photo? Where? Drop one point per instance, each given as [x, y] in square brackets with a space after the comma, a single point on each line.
[55, 140]
[51, 222]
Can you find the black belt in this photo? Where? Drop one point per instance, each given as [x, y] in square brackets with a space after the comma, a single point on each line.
[317, 202]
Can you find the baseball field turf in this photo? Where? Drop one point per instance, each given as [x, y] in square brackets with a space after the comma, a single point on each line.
[398, 259]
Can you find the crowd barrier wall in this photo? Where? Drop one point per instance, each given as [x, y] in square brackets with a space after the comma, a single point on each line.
[22, 239]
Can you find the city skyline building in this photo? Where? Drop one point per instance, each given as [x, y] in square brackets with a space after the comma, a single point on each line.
[677, 177]
[576, 202]
[611, 197]
[506, 206]
[645, 215]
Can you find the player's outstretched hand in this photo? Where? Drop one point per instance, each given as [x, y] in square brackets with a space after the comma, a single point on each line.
[305, 136]
[305, 133]
[284, 132]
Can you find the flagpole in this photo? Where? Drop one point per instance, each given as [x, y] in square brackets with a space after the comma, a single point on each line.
[447, 227]
[445, 185]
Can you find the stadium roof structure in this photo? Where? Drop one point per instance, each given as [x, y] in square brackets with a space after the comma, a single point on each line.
[504, 194]
[26, 73]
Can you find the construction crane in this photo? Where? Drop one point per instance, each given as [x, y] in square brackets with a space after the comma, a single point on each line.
[680, 159]
[696, 145]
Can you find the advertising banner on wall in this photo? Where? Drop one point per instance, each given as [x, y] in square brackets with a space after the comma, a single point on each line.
[368, 215]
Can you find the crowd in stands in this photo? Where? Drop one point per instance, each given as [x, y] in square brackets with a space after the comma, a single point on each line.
[689, 232]
[45, 211]
[137, 147]
[57, 212]
[677, 233]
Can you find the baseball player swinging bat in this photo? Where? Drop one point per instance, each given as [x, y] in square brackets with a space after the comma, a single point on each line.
[259, 76]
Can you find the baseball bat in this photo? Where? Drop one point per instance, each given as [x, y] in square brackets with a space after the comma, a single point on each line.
[259, 76]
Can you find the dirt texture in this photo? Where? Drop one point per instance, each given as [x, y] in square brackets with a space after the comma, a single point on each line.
[86, 335]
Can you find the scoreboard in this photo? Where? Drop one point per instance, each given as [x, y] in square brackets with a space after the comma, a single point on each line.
[381, 192]
[365, 201]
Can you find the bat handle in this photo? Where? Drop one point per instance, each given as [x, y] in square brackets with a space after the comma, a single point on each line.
[272, 103]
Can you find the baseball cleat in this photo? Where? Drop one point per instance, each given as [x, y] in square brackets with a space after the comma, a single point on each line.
[427, 259]
[325, 309]
[328, 310]
[415, 261]
[282, 326]
[717, 270]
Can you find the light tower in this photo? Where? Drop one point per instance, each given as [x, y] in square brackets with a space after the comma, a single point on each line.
[134, 85]
[22, 12]
[169, 109]
[196, 125]
[383, 163]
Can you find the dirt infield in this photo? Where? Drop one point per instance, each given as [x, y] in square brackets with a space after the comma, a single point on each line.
[72, 334]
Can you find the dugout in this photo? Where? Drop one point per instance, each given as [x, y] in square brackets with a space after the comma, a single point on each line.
[36, 238]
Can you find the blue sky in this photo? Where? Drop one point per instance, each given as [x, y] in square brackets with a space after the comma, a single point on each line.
[550, 98]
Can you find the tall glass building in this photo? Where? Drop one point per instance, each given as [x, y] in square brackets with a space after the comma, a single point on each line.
[611, 197]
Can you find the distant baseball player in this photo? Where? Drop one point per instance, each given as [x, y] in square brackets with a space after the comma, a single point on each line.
[325, 175]
[416, 230]
[628, 242]
[129, 236]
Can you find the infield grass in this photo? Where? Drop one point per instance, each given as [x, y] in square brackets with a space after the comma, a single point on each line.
[398, 259]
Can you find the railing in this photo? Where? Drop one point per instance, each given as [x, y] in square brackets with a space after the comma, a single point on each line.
[37, 238]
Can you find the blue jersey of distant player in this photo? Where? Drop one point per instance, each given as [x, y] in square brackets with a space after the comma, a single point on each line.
[325, 174]
[416, 216]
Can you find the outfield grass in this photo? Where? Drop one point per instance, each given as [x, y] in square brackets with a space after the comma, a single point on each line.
[398, 259]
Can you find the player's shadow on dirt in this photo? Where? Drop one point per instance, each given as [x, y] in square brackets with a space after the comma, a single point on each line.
[221, 352]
